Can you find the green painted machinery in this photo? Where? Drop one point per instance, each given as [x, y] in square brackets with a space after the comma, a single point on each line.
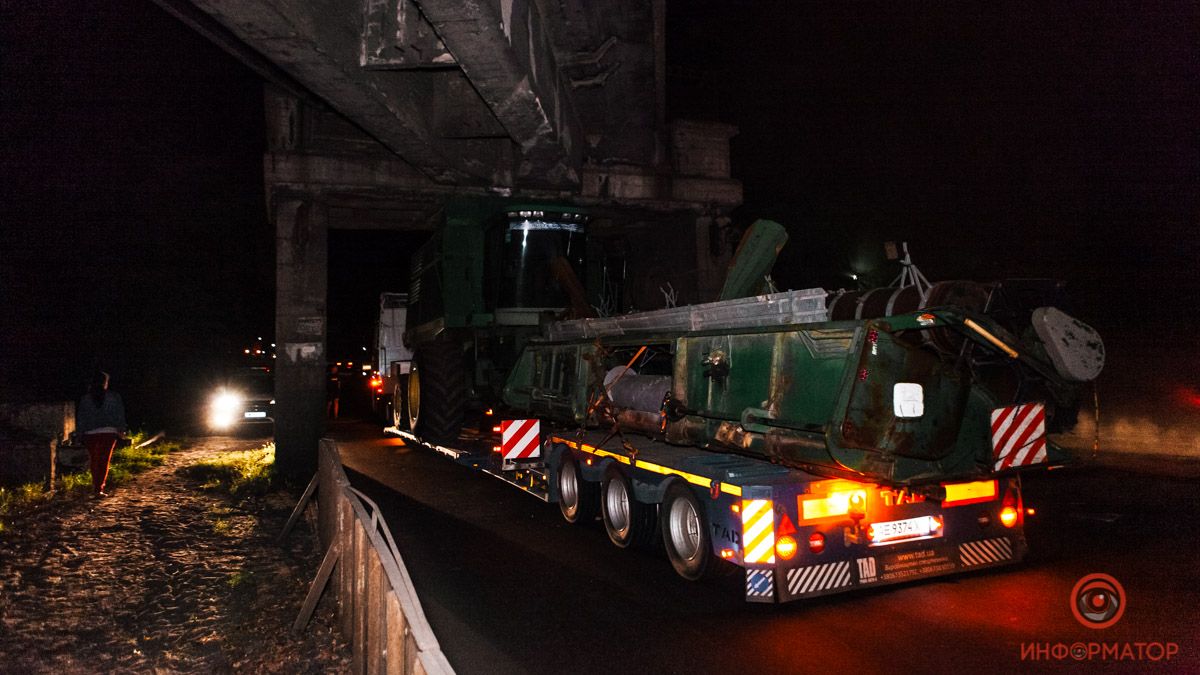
[485, 282]
[910, 396]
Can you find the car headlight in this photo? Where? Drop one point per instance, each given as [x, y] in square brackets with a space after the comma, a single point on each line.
[224, 409]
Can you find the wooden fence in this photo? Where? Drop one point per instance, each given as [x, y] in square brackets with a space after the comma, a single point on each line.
[377, 606]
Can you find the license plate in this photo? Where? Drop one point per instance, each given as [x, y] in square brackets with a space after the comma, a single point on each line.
[258, 413]
[924, 527]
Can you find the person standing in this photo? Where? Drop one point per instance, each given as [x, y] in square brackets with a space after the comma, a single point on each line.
[333, 392]
[100, 415]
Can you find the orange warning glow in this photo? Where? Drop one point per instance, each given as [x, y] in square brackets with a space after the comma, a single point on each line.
[785, 546]
[1008, 516]
[836, 504]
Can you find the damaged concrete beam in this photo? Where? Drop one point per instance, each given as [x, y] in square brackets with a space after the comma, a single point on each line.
[505, 51]
[396, 37]
[320, 46]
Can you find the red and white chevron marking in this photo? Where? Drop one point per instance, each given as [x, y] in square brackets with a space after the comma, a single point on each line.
[520, 439]
[1019, 435]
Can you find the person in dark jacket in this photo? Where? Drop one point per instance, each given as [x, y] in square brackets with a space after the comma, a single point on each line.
[333, 392]
[100, 416]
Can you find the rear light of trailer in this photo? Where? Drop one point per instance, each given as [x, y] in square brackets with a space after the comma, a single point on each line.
[785, 547]
[1010, 510]
[857, 504]
[816, 542]
[1008, 516]
[844, 498]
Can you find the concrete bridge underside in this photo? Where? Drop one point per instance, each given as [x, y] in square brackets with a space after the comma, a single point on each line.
[378, 110]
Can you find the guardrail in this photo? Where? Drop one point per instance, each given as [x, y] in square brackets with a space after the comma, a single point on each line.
[377, 607]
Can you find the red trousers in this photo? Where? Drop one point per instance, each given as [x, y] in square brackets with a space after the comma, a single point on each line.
[100, 449]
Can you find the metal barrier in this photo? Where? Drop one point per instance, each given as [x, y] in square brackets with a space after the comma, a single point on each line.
[378, 609]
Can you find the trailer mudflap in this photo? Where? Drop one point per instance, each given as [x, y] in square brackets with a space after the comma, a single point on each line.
[881, 566]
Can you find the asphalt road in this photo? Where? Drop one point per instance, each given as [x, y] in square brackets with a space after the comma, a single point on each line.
[510, 587]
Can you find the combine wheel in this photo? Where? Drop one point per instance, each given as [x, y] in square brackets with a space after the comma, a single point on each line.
[685, 533]
[577, 498]
[437, 391]
[399, 412]
[627, 521]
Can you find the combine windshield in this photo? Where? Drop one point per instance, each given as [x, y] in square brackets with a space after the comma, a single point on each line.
[532, 243]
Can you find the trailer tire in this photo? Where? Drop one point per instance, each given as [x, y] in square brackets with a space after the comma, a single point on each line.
[685, 534]
[627, 521]
[578, 499]
[436, 395]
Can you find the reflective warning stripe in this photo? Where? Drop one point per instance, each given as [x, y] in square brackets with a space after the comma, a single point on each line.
[692, 478]
[758, 531]
[815, 578]
[1019, 435]
[520, 439]
[985, 551]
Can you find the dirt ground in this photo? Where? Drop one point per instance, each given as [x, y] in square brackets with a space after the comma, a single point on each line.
[163, 577]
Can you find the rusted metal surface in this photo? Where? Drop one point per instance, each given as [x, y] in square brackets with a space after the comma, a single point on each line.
[823, 397]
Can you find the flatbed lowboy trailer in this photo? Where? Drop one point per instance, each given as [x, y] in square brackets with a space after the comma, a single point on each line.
[794, 534]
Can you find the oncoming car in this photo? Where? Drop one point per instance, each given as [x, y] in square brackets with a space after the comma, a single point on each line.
[246, 397]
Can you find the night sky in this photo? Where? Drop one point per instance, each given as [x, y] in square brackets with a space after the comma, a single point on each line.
[1049, 139]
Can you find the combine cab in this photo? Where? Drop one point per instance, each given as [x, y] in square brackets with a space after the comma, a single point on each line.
[480, 288]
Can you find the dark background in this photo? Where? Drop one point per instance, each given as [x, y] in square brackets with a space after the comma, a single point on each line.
[1041, 140]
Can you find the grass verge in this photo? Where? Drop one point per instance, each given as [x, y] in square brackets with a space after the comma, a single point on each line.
[241, 473]
[126, 462]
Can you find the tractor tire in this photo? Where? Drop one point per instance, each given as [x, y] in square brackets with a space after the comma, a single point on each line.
[437, 392]
[398, 411]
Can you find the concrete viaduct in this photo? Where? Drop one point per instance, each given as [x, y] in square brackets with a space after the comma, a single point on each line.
[378, 110]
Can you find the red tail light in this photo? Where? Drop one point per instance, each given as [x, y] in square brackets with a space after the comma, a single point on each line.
[816, 542]
[1010, 509]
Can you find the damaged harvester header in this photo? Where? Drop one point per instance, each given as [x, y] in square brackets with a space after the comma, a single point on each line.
[819, 442]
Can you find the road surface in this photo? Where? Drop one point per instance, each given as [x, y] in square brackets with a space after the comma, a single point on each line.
[510, 587]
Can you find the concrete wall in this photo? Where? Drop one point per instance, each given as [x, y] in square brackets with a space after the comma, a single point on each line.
[29, 439]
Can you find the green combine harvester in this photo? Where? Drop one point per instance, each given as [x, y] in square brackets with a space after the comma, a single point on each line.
[486, 282]
[819, 441]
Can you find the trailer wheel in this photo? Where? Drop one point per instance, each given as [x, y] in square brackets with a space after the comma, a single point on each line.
[437, 391]
[627, 521]
[685, 533]
[577, 498]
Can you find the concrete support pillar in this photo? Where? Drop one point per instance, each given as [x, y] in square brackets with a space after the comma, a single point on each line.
[300, 288]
